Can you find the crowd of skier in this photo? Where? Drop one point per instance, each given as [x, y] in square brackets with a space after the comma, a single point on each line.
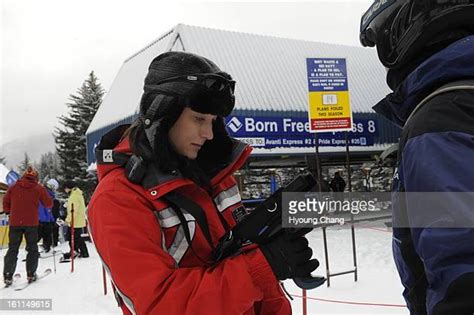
[36, 213]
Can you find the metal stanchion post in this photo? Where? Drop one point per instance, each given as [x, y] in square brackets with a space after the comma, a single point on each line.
[349, 182]
[326, 257]
[105, 281]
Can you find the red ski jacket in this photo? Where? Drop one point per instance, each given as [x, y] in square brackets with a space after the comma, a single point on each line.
[142, 244]
[22, 201]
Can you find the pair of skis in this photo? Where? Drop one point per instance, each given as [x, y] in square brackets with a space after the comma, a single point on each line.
[23, 286]
[47, 255]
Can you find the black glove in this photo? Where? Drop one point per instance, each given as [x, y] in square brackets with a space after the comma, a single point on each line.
[289, 255]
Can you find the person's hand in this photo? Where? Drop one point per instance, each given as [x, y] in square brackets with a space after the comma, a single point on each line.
[60, 222]
[289, 255]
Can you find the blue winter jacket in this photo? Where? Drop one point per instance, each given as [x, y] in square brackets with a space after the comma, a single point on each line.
[436, 154]
[45, 214]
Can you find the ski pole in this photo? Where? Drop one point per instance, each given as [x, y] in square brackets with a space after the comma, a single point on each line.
[72, 238]
[52, 239]
[305, 310]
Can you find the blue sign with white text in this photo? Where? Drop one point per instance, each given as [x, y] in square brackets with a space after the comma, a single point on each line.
[327, 74]
[273, 132]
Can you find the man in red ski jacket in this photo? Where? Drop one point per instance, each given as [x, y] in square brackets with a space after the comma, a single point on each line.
[21, 203]
[159, 254]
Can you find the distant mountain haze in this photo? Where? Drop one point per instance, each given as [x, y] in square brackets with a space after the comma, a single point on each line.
[34, 146]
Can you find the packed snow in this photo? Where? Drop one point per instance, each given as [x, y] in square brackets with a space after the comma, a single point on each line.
[81, 292]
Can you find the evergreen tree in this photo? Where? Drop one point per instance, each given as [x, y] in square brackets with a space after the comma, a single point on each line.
[48, 167]
[2, 160]
[70, 138]
[24, 164]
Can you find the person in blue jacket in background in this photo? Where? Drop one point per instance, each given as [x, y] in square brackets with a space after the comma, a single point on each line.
[46, 217]
[428, 49]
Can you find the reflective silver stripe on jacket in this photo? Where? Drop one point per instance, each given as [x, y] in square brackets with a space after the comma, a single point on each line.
[227, 198]
[180, 245]
[163, 241]
[168, 217]
[126, 300]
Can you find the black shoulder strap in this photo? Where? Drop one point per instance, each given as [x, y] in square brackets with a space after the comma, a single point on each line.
[453, 86]
[178, 201]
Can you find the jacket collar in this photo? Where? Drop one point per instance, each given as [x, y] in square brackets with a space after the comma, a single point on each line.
[112, 152]
[450, 64]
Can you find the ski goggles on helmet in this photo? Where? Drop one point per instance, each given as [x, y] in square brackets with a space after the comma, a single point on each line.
[211, 81]
[208, 93]
[386, 25]
[372, 21]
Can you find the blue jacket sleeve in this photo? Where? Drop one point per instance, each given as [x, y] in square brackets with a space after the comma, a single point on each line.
[443, 162]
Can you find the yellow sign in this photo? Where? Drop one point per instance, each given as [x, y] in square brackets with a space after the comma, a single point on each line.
[329, 102]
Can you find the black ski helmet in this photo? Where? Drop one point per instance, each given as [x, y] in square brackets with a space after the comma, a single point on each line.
[409, 31]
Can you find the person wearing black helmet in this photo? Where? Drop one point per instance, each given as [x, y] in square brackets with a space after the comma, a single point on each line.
[167, 194]
[427, 47]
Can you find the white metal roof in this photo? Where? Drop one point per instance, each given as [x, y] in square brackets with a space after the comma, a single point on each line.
[3, 173]
[270, 71]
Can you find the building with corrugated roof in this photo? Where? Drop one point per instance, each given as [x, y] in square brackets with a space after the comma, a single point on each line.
[271, 91]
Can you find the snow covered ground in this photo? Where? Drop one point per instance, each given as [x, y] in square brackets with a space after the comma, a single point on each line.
[81, 292]
[378, 280]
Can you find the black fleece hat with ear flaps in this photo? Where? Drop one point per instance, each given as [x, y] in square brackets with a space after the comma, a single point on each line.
[178, 64]
[162, 104]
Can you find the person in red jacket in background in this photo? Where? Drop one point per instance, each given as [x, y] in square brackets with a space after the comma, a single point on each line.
[21, 203]
[159, 255]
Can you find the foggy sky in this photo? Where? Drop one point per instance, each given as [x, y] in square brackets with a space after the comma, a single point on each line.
[50, 46]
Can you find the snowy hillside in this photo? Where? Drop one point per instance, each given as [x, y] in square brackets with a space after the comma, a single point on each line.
[82, 291]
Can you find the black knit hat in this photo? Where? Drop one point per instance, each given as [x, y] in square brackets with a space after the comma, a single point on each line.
[69, 184]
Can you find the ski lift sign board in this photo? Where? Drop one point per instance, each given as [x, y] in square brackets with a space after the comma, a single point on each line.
[328, 94]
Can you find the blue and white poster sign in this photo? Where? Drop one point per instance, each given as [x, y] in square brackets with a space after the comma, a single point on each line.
[274, 132]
